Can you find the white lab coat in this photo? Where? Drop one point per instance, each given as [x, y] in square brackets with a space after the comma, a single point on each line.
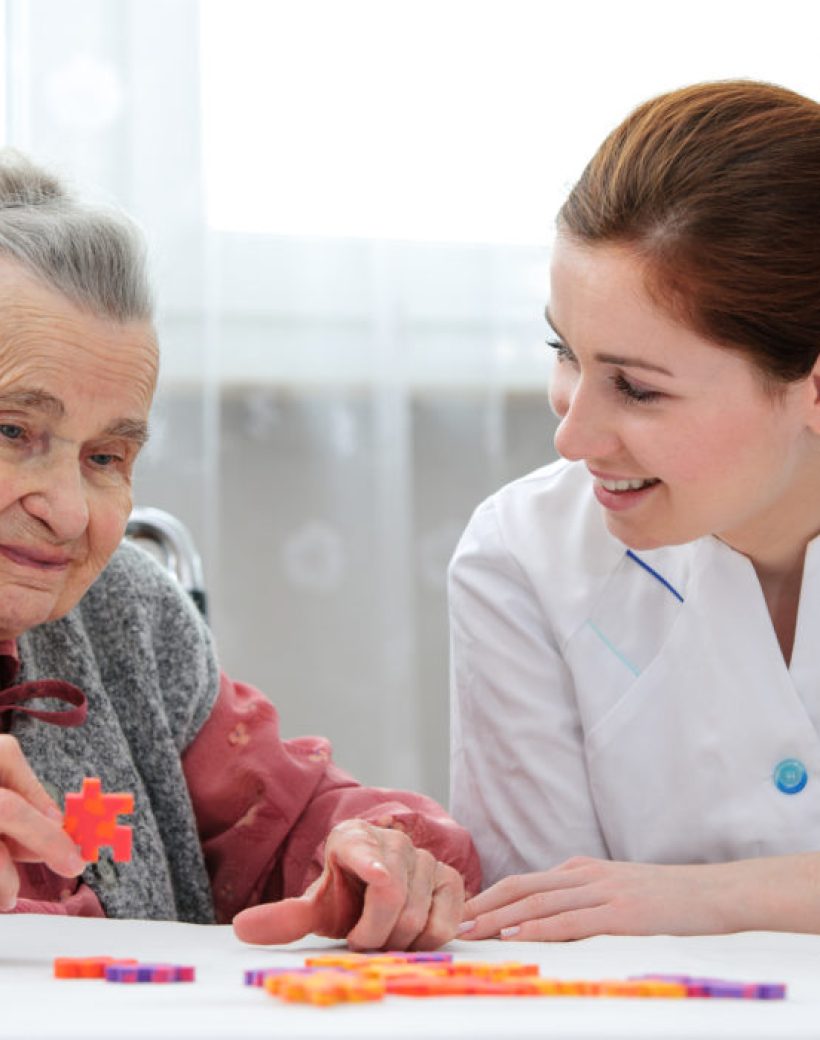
[600, 709]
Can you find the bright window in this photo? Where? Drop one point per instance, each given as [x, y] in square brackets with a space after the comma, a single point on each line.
[451, 120]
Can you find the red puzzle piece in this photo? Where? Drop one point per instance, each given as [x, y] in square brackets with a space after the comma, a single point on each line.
[90, 819]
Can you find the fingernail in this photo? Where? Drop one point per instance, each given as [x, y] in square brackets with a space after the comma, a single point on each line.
[513, 929]
[75, 862]
[465, 926]
[7, 903]
[53, 813]
[379, 865]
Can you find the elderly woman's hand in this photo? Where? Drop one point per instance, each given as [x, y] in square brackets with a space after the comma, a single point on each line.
[376, 890]
[30, 825]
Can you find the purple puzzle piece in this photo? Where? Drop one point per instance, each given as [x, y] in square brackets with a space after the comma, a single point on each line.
[257, 976]
[143, 972]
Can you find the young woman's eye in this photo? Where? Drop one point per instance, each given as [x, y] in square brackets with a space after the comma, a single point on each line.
[562, 351]
[632, 392]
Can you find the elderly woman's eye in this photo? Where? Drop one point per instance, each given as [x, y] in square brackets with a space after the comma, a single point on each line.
[11, 432]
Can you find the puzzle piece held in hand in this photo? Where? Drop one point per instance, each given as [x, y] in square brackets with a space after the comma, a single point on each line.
[90, 819]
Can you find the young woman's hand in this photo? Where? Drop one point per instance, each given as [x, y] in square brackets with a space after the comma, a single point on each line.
[585, 897]
[30, 825]
[377, 890]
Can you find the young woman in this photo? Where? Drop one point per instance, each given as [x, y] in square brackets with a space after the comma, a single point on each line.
[636, 628]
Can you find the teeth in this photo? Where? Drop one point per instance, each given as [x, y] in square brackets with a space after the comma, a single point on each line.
[627, 485]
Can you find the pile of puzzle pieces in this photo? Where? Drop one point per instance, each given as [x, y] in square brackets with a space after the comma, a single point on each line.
[351, 978]
[358, 977]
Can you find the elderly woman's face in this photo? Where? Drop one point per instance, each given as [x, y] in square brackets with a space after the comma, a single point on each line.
[75, 391]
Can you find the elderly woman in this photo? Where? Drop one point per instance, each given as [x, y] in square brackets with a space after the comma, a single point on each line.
[228, 817]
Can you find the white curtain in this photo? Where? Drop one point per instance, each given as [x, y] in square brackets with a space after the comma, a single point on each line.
[348, 205]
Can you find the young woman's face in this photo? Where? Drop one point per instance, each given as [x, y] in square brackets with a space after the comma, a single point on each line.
[679, 435]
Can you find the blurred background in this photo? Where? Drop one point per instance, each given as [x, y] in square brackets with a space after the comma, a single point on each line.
[349, 209]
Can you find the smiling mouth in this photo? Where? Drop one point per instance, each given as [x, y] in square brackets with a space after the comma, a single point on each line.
[627, 485]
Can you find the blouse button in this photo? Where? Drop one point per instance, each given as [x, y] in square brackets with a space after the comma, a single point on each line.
[790, 776]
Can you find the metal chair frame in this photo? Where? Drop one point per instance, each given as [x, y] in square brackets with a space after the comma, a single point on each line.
[176, 547]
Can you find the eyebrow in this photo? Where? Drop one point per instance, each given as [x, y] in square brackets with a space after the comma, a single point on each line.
[39, 400]
[129, 429]
[42, 401]
[623, 360]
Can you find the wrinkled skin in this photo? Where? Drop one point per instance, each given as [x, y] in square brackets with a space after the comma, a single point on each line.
[377, 891]
[75, 391]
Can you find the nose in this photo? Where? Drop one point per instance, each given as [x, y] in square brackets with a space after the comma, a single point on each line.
[58, 497]
[586, 429]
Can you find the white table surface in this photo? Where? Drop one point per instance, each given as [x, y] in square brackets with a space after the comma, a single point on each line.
[34, 1005]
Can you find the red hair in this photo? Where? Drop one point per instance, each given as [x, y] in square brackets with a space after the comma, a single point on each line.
[717, 188]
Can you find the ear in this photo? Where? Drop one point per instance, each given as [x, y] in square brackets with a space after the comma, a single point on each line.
[813, 395]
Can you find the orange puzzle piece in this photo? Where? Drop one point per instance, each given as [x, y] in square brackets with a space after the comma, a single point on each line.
[325, 987]
[90, 819]
[85, 967]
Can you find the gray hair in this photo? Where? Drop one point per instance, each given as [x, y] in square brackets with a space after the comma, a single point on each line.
[93, 255]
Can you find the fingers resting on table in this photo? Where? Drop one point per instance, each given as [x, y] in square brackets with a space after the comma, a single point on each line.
[377, 890]
[584, 897]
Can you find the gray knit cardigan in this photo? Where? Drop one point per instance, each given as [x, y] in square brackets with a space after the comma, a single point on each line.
[143, 656]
